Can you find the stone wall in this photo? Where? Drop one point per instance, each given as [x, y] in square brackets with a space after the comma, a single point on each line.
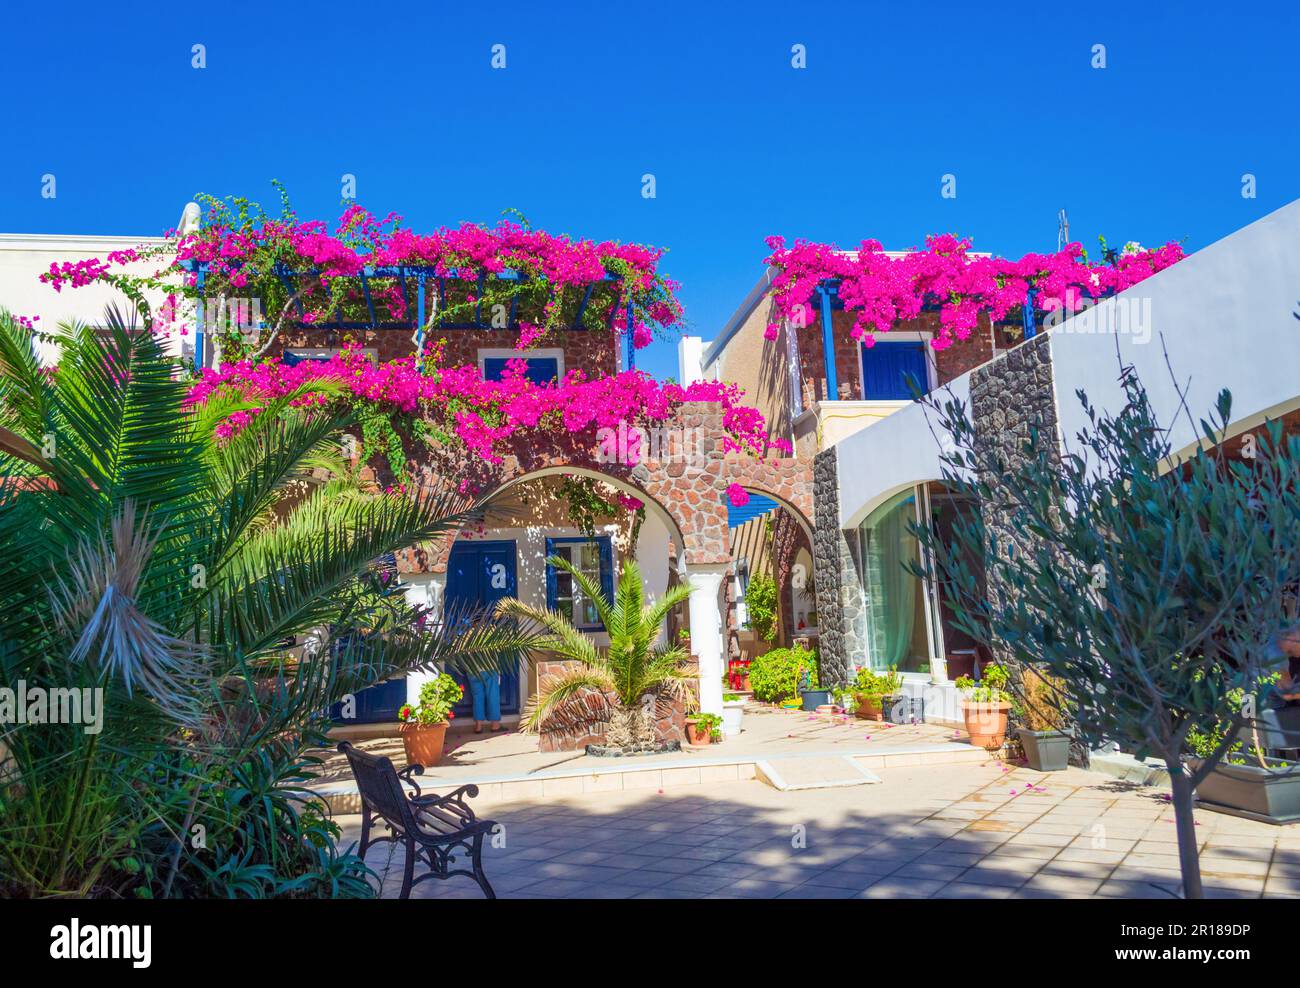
[584, 719]
[690, 487]
[1008, 397]
[841, 605]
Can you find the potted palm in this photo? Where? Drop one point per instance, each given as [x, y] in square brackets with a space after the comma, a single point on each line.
[1044, 719]
[424, 724]
[986, 706]
[619, 683]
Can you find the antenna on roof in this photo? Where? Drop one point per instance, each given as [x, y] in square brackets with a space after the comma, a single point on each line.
[1062, 230]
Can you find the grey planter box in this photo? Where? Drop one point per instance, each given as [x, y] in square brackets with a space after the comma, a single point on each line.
[1252, 792]
[1047, 751]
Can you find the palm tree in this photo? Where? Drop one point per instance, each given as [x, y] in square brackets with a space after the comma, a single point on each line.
[144, 557]
[635, 668]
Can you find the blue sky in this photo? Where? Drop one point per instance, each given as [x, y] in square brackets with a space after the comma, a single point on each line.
[1153, 147]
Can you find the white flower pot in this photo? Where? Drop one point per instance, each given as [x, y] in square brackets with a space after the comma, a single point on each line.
[733, 715]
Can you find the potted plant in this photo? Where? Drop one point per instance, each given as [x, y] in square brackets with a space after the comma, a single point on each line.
[1044, 719]
[424, 725]
[1245, 782]
[733, 714]
[986, 707]
[871, 690]
[701, 728]
[811, 695]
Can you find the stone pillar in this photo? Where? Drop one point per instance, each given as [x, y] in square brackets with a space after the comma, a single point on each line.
[706, 631]
[425, 591]
[1007, 398]
[841, 603]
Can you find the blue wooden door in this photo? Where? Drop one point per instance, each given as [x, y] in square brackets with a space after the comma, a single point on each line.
[479, 574]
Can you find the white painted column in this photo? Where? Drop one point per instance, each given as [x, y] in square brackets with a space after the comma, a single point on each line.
[706, 631]
[652, 559]
[427, 592]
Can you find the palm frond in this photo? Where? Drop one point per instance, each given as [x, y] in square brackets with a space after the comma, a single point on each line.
[562, 637]
[97, 606]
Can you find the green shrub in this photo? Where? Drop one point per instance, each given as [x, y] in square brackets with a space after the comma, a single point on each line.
[775, 675]
[762, 600]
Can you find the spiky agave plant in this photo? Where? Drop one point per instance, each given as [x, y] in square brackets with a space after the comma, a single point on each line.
[149, 562]
[634, 666]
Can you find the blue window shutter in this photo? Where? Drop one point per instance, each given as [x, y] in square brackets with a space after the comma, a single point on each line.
[550, 575]
[541, 370]
[885, 369]
[606, 568]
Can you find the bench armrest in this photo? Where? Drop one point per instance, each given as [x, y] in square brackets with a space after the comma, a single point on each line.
[458, 796]
[405, 774]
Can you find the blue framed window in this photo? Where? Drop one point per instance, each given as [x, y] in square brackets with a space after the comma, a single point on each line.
[886, 367]
[541, 370]
[594, 558]
[299, 355]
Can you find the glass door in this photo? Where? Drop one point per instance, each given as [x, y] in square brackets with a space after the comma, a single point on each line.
[903, 629]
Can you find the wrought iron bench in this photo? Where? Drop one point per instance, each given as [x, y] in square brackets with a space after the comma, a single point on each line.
[433, 828]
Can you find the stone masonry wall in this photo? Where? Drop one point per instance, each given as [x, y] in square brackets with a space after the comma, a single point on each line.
[584, 719]
[841, 605]
[1009, 396]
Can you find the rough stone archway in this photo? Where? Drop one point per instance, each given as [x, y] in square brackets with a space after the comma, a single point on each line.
[689, 483]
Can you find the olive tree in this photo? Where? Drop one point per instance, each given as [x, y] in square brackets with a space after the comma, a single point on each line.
[1152, 583]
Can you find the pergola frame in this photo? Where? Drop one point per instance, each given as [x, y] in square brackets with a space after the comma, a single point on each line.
[425, 278]
[830, 301]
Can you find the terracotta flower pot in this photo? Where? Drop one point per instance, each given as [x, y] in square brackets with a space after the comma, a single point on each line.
[986, 723]
[695, 734]
[870, 706]
[423, 744]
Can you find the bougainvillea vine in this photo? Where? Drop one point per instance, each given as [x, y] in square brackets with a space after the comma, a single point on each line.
[880, 289]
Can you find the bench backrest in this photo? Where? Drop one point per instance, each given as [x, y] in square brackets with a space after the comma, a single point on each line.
[379, 786]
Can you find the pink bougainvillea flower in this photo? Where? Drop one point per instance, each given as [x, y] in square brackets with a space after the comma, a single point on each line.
[737, 495]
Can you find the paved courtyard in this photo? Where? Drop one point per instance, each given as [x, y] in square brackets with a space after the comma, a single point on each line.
[769, 733]
[984, 830]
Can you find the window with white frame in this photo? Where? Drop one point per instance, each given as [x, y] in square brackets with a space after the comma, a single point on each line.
[541, 366]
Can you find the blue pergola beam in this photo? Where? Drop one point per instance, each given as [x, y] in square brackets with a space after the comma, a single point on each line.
[827, 290]
[422, 273]
[628, 343]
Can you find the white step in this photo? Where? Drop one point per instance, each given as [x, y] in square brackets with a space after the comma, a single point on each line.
[828, 772]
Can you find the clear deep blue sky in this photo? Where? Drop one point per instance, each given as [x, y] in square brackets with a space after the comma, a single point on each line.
[702, 95]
